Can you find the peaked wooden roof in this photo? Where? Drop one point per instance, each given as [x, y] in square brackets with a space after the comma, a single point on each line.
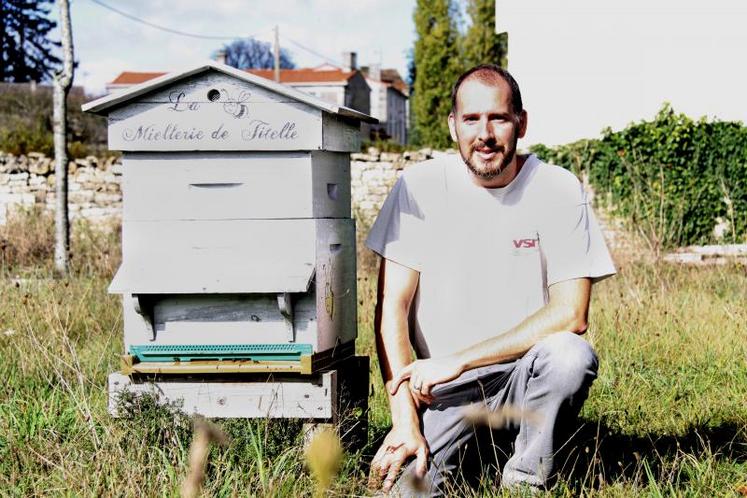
[159, 80]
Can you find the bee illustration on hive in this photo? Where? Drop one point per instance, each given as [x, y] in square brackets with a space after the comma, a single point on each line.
[238, 108]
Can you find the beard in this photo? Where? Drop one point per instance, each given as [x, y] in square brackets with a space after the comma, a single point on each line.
[496, 166]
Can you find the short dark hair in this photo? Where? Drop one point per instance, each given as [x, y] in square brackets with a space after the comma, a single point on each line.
[487, 73]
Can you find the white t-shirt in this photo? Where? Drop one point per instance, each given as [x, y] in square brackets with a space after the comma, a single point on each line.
[486, 256]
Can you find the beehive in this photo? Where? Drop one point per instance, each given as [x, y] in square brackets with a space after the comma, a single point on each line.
[238, 247]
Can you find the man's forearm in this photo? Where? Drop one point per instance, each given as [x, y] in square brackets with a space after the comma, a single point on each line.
[396, 288]
[393, 351]
[566, 311]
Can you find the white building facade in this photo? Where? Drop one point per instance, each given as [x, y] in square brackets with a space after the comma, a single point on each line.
[389, 101]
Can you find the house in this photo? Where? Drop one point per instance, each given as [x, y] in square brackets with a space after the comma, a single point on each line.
[344, 86]
[335, 86]
[389, 103]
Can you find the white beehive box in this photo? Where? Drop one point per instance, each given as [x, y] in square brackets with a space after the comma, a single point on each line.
[236, 223]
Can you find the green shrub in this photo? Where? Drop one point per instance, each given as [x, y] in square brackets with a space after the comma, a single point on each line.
[383, 145]
[26, 122]
[19, 136]
[672, 178]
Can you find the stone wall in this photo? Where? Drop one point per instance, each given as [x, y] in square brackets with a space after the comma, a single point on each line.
[95, 185]
[94, 191]
[95, 188]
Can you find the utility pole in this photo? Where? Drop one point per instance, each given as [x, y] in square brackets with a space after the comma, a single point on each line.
[62, 83]
[277, 54]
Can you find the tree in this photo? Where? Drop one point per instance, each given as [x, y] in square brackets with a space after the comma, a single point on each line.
[248, 53]
[26, 50]
[481, 44]
[437, 66]
[62, 83]
[413, 136]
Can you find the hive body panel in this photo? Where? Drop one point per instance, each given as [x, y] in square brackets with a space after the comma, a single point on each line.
[236, 185]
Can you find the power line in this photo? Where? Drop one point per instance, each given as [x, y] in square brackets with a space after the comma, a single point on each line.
[307, 49]
[209, 37]
[169, 30]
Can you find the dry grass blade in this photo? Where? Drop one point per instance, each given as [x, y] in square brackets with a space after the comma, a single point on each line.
[418, 484]
[324, 457]
[26, 238]
[205, 433]
[500, 417]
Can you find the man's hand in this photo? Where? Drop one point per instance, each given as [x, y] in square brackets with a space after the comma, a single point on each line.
[399, 445]
[424, 375]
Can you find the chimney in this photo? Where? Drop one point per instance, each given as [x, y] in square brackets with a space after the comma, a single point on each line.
[349, 61]
[374, 72]
[220, 56]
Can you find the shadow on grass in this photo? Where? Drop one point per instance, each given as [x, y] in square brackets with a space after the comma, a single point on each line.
[596, 455]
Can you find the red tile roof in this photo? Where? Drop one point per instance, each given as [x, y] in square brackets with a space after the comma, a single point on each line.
[134, 78]
[306, 75]
[286, 76]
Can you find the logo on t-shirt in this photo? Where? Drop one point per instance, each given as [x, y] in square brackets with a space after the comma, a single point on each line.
[525, 246]
[525, 243]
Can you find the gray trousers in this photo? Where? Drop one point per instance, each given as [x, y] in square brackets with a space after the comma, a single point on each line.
[551, 381]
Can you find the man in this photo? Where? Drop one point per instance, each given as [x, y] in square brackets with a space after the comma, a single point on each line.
[486, 272]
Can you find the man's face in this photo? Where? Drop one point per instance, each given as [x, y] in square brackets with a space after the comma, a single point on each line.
[485, 126]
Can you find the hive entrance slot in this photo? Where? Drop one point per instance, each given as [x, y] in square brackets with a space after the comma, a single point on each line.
[215, 185]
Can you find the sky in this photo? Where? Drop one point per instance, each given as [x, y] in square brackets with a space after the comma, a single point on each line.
[587, 64]
[107, 43]
[583, 65]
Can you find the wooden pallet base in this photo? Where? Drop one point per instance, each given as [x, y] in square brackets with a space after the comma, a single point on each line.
[270, 399]
[338, 396]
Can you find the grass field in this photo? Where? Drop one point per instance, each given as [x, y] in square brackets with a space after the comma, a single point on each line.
[666, 417]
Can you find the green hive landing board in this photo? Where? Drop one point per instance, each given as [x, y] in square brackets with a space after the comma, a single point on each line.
[197, 352]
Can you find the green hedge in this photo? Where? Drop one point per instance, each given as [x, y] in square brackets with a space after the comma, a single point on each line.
[26, 122]
[672, 178]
